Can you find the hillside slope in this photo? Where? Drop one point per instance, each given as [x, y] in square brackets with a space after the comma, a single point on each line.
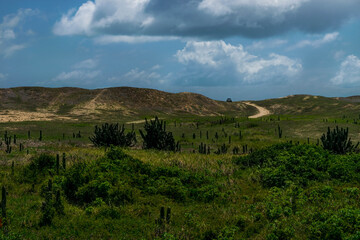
[36, 103]
[312, 105]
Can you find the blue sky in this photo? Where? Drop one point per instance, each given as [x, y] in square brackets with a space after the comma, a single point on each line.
[243, 49]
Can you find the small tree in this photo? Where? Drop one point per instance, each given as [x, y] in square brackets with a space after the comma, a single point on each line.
[112, 134]
[156, 137]
[337, 141]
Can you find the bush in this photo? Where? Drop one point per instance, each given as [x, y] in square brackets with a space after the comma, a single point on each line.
[119, 179]
[43, 162]
[156, 136]
[112, 134]
[285, 163]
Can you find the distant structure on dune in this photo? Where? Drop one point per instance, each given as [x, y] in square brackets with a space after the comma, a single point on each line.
[228, 100]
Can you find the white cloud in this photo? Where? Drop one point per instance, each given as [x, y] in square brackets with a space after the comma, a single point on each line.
[135, 21]
[259, 45]
[219, 55]
[3, 76]
[77, 75]
[8, 31]
[130, 39]
[136, 77]
[339, 55]
[349, 73]
[84, 70]
[10, 50]
[226, 7]
[86, 64]
[327, 38]
[101, 14]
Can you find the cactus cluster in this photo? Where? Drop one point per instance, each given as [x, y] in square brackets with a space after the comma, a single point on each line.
[338, 141]
[155, 136]
[112, 134]
[203, 149]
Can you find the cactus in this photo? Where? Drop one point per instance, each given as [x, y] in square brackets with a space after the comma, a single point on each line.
[338, 141]
[156, 136]
[279, 131]
[202, 148]
[111, 134]
[57, 163]
[12, 168]
[236, 150]
[58, 205]
[3, 205]
[64, 161]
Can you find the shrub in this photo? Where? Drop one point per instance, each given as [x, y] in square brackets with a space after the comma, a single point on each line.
[119, 179]
[156, 136]
[112, 134]
[337, 141]
[43, 162]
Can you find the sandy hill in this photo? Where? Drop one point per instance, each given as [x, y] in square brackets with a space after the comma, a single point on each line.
[37, 103]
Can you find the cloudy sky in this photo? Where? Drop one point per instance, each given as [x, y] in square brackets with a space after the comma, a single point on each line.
[243, 49]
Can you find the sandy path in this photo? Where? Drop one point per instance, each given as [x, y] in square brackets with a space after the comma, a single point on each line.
[140, 121]
[262, 111]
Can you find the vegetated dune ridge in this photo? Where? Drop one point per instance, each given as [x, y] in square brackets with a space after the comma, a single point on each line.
[45, 104]
[311, 105]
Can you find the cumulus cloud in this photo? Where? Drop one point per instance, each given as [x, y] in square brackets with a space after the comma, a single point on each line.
[349, 73]
[84, 70]
[8, 31]
[77, 75]
[10, 50]
[212, 19]
[86, 64]
[217, 55]
[327, 38]
[147, 77]
[2, 76]
[130, 39]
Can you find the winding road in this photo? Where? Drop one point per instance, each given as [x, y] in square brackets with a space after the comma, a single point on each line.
[262, 111]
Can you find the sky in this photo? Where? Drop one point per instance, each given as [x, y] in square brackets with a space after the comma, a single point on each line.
[242, 49]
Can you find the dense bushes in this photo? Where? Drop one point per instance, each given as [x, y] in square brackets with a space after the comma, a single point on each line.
[282, 164]
[120, 179]
[112, 134]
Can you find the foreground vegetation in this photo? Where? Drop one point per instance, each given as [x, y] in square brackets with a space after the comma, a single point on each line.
[254, 183]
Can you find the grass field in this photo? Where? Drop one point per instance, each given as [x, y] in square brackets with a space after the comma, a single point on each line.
[210, 196]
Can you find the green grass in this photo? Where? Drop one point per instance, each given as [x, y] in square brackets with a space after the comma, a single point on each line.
[244, 207]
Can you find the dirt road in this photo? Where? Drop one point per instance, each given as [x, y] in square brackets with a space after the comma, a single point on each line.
[262, 111]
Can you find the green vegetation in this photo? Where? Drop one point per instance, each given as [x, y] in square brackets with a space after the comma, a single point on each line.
[233, 178]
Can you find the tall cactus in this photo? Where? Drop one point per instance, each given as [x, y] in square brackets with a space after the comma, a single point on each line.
[338, 141]
[155, 136]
